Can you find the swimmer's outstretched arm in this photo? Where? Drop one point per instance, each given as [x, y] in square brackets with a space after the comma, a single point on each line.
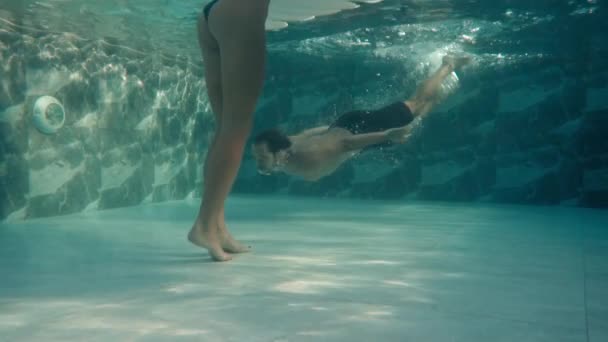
[357, 142]
[400, 135]
[360, 141]
[313, 131]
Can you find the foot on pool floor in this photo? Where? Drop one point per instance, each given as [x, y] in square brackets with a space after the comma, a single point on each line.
[210, 240]
[229, 244]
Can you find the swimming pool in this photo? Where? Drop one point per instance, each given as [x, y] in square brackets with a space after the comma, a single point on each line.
[489, 224]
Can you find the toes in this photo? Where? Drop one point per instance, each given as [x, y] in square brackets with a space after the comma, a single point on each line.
[235, 248]
[220, 256]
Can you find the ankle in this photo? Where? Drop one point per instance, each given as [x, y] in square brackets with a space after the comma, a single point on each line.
[203, 225]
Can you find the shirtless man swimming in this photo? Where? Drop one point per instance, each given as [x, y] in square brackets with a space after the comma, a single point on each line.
[317, 152]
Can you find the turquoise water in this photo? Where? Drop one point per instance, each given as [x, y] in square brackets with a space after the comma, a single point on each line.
[489, 225]
[524, 126]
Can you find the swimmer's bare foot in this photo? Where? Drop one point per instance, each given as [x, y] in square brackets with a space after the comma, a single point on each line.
[229, 244]
[456, 62]
[208, 239]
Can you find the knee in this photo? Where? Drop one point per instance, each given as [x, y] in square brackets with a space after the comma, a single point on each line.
[414, 107]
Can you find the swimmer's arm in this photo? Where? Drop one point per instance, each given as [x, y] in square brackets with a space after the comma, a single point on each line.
[313, 131]
[356, 142]
[360, 141]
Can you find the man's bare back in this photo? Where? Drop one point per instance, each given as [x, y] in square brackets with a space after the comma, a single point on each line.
[315, 156]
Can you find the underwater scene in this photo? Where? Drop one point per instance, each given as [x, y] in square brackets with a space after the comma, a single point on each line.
[399, 170]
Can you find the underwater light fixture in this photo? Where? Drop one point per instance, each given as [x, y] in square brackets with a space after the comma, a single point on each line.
[49, 115]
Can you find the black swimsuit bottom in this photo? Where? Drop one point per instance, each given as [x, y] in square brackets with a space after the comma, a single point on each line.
[395, 115]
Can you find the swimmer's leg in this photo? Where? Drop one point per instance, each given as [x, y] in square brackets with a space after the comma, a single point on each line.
[429, 93]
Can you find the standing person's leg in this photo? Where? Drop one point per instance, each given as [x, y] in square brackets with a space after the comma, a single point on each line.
[213, 81]
[239, 30]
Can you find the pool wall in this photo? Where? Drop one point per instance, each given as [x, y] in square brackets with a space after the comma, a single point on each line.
[138, 126]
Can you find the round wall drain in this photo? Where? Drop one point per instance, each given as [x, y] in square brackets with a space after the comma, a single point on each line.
[49, 115]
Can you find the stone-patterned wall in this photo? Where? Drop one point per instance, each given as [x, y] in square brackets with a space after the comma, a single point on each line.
[535, 134]
[136, 128]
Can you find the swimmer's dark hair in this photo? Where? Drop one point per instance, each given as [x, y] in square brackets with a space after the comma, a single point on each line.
[274, 139]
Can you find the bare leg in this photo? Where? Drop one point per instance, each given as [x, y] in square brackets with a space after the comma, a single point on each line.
[213, 80]
[428, 93]
[229, 244]
[208, 235]
[240, 34]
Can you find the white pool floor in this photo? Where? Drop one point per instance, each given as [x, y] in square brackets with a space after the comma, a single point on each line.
[321, 270]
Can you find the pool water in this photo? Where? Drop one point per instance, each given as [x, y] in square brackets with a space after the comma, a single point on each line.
[490, 225]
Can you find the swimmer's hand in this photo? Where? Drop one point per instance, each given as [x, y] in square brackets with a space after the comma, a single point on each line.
[398, 135]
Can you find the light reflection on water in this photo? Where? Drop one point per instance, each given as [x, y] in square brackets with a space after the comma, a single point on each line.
[169, 25]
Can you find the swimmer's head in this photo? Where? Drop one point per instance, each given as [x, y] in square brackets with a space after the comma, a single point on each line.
[269, 150]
